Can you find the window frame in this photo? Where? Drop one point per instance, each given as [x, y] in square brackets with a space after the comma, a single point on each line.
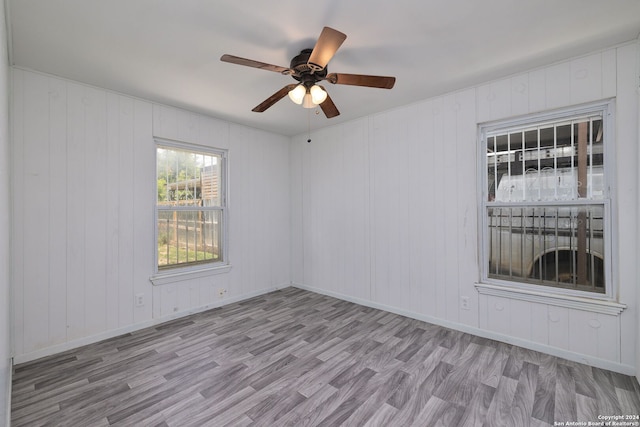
[182, 272]
[538, 292]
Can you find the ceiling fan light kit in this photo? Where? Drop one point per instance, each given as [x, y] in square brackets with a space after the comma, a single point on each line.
[318, 95]
[297, 94]
[308, 98]
[309, 68]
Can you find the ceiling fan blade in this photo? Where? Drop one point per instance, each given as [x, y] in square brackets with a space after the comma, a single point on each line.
[255, 64]
[273, 98]
[329, 108]
[326, 46]
[382, 82]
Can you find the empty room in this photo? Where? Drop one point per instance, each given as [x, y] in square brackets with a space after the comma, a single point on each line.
[289, 213]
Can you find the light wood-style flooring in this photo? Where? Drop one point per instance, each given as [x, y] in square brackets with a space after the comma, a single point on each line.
[296, 358]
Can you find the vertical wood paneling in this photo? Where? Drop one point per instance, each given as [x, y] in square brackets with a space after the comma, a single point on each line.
[386, 207]
[126, 197]
[594, 334]
[84, 209]
[558, 324]
[279, 222]
[494, 100]
[523, 311]
[165, 122]
[112, 177]
[537, 90]
[467, 219]
[583, 336]
[336, 195]
[335, 170]
[498, 314]
[144, 155]
[296, 177]
[94, 205]
[6, 342]
[58, 206]
[75, 191]
[238, 209]
[586, 79]
[423, 165]
[75, 241]
[609, 73]
[558, 85]
[418, 191]
[17, 201]
[424, 218]
[397, 169]
[626, 181]
[519, 94]
[609, 344]
[258, 206]
[453, 173]
[440, 194]
[35, 171]
[380, 219]
[390, 209]
[355, 231]
[540, 321]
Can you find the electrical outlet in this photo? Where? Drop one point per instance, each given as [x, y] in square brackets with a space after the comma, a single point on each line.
[139, 300]
[464, 303]
[222, 292]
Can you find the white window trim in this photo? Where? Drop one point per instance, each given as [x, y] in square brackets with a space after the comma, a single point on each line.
[600, 303]
[567, 301]
[177, 274]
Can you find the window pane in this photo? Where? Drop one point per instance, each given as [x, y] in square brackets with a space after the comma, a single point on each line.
[553, 161]
[187, 237]
[560, 246]
[187, 178]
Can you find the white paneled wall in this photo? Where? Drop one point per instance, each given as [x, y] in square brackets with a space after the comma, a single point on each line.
[381, 210]
[81, 211]
[83, 208]
[5, 228]
[389, 210]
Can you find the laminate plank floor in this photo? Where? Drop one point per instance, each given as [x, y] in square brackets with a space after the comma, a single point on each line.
[296, 358]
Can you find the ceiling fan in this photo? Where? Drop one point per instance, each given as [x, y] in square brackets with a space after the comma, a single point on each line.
[309, 68]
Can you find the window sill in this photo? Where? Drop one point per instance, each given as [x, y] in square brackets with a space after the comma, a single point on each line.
[568, 301]
[178, 276]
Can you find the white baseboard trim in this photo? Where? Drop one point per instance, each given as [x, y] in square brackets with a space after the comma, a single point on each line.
[553, 351]
[70, 345]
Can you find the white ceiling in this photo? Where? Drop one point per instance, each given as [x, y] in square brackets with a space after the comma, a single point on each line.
[168, 50]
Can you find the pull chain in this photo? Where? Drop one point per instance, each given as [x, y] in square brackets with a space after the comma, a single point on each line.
[309, 125]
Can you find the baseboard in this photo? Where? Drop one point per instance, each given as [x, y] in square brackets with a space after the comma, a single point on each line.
[553, 351]
[70, 345]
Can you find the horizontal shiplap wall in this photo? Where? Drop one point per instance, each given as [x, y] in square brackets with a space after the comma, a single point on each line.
[83, 207]
[389, 211]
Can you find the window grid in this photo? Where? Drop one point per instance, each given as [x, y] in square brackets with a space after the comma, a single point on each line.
[545, 210]
[190, 207]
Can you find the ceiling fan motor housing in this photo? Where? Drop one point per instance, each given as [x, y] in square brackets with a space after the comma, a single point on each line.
[304, 72]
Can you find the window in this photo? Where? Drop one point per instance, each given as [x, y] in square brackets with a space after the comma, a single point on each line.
[545, 201]
[190, 207]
